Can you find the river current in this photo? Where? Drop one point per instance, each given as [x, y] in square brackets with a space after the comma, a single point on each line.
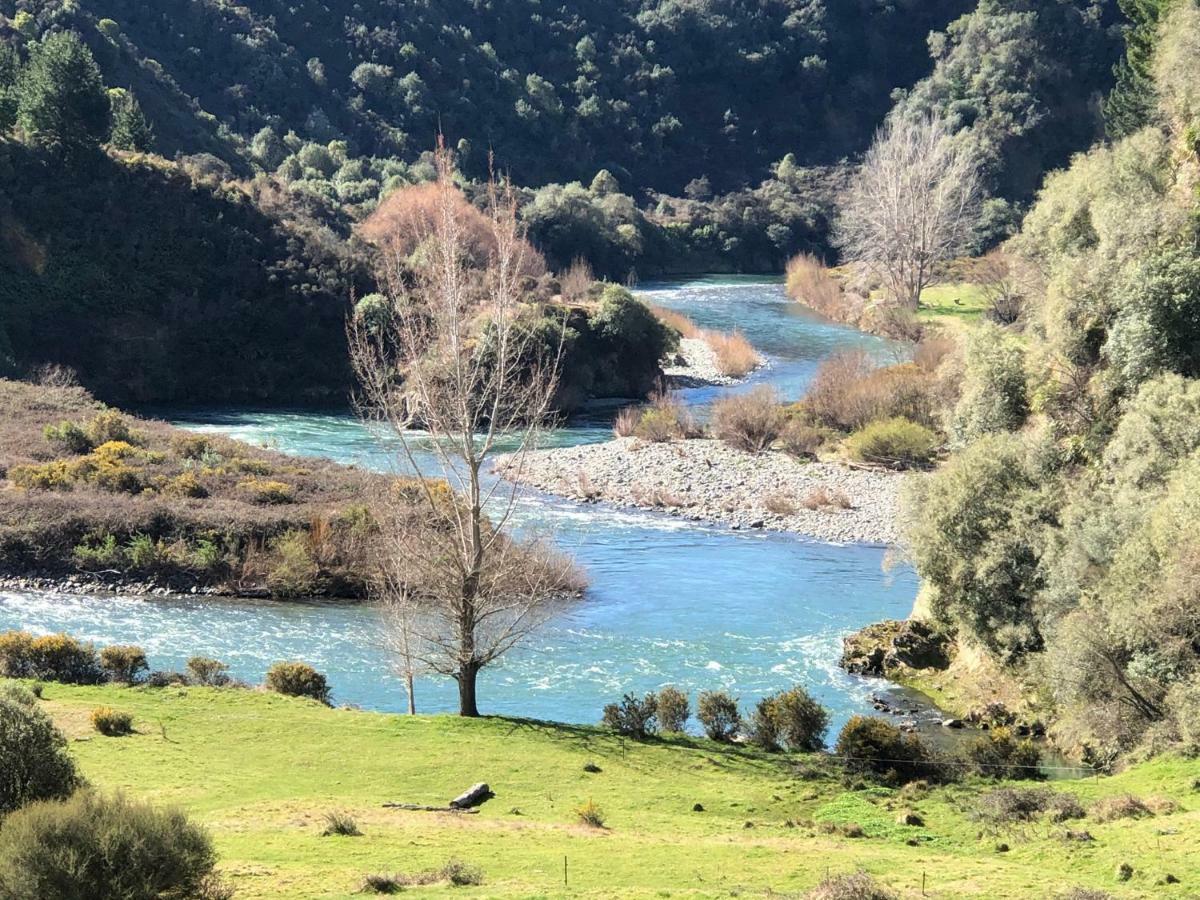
[670, 602]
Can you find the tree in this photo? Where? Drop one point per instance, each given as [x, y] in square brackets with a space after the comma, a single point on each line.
[911, 205]
[454, 356]
[130, 129]
[9, 67]
[61, 101]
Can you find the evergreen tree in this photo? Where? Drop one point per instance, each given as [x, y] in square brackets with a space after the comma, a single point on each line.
[1130, 105]
[61, 102]
[130, 129]
[9, 66]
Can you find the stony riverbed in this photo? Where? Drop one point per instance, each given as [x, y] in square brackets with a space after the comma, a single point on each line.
[705, 480]
[695, 365]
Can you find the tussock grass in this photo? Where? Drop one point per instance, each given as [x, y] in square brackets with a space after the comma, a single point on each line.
[735, 356]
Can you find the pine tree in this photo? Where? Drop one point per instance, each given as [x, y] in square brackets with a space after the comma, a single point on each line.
[9, 67]
[1130, 105]
[130, 128]
[61, 102]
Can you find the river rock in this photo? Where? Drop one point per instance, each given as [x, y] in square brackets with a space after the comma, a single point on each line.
[885, 646]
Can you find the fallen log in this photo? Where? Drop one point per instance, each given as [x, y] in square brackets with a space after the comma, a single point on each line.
[420, 808]
[472, 796]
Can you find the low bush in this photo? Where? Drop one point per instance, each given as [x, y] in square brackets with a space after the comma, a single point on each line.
[1006, 806]
[52, 657]
[295, 572]
[297, 679]
[145, 554]
[461, 874]
[208, 672]
[111, 722]
[1123, 806]
[665, 419]
[870, 746]
[850, 391]
[185, 485]
[822, 497]
[856, 886]
[999, 755]
[791, 719]
[590, 814]
[162, 679]
[68, 437]
[110, 425]
[34, 762]
[124, 663]
[735, 356]
[750, 421]
[339, 823]
[104, 849]
[672, 709]
[718, 715]
[632, 717]
[801, 439]
[380, 883]
[267, 492]
[626, 422]
[896, 442]
[98, 552]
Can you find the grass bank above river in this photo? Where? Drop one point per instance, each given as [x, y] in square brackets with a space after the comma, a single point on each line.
[261, 771]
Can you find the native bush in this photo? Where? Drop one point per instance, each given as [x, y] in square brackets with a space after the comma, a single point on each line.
[294, 571]
[802, 440]
[718, 715]
[791, 719]
[870, 746]
[297, 679]
[632, 717]
[999, 754]
[672, 709]
[267, 492]
[69, 437]
[34, 762]
[111, 722]
[208, 672]
[120, 849]
[994, 396]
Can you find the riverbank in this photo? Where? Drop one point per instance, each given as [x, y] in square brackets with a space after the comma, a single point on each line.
[695, 365]
[706, 481]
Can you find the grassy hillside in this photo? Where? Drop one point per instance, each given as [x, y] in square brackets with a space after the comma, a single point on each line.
[260, 771]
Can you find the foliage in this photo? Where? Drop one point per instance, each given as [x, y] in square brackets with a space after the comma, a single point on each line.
[61, 103]
[871, 746]
[665, 419]
[590, 814]
[297, 679]
[34, 762]
[123, 662]
[267, 492]
[208, 672]
[295, 572]
[671, 709]
[633, 717]
[993, 396]
[130, 129]
[791, 719]
[1000, 755]
[855, 886]
[340, 823]
[897, 442]
[51, 657]
[750, 421]
[121, 849]
[111, 722]
[718, 715]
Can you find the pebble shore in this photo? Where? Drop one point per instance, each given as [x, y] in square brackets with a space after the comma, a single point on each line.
[695, 365]
[706, 481]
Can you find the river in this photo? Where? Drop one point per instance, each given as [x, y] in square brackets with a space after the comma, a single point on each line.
[670, 602]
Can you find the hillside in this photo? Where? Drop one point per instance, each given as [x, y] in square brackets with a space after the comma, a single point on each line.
[261, 771]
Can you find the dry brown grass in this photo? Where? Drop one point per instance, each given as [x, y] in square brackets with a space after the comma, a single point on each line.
[681, 323]
[825, 498]
[735, 356]
[665, 419]
[750, 421]
[810, 282]
[850, 391]
[780, 504]
[625, 424]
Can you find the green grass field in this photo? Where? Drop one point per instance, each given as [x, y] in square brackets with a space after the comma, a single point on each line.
[260, 770]
[955, 303]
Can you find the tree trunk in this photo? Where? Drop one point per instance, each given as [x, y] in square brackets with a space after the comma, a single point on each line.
[412, 700]
[466, 690]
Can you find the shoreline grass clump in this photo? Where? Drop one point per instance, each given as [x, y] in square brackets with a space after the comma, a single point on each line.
[735, 356]
[750, 421]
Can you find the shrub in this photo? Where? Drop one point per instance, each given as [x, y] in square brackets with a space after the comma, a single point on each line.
[994, 397]
[627, 327]
[626, 422]
[590, 814]
[191, 446]
[68, 437]
[162, 679]
[339, 823]
[34, 762]
[267, 492]
[665, 419]
[718, 715]
[801, 440]
[110, 722]
[871, 746]
[821, 497]
[1007, 806]
[144, 553]
[791, 719]
[461, 874]
[379, 883]
[1124, 806]
[632, 717]
[849, 391]
[735, 356]
[56, 475]
[123, 662]
[672, 709]
[16, 654]
[295, 572]
[750, 421]
[857, 886]
[895, 442]
[59, 657]
[119, 849]
[297, 679]
[185, 485]
[97, 552]
[110, 425]
[208, 672]
[999, 755]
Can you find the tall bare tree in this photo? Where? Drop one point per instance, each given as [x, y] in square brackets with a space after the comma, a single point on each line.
[449, 351]
[911, 205]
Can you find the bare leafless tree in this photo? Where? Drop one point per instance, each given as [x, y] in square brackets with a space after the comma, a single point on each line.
[911, 205]
[450, 352]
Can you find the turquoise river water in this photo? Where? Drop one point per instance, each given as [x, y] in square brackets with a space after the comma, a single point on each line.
[670, 602]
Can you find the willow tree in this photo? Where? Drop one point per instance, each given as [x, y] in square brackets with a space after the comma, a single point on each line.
[455, 365]
[912, 204]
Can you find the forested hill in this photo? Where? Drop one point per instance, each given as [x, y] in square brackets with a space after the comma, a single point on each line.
[657, 91]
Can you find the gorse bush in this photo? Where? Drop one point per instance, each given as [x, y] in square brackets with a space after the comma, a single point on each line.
[208, 672]
[111, 722]
[871, 746]
[297, 679]
[750, 421]
[124, 662]
[897, 442]
[590, 814]
[671, 708]
[632, 717]
[718, 715]
[52, 657]
[119, 849]
[791, 719]
[1000, 755]
[267, 492]
[34, 762]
